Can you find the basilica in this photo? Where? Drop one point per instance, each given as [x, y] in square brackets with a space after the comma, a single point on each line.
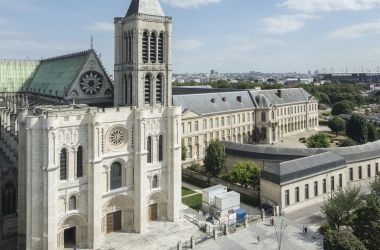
[86, 156]
[82, 155]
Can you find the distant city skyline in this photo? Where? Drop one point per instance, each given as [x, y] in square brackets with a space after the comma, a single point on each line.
[225, 35]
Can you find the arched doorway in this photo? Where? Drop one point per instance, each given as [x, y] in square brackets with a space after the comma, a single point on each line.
[118, 215]
[157, 207]
[73, 232]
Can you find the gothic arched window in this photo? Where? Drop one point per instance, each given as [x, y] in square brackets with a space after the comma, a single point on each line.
[115, 175]
[149, 149]
[80, 162]
[263, 116]
[160, 148]
[161, 48]
[147, 90]
[159, 89]
[72, 203]
[155, 182]
[9, 199]
[63, 164]
[153, 48]
[145, 51]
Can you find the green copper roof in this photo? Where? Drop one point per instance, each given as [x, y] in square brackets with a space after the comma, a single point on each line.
[14, 75]
[55, 75]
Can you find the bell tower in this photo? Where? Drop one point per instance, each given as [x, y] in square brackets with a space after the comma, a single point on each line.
[143, 56]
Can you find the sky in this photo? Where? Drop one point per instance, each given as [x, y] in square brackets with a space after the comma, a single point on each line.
[225, 35]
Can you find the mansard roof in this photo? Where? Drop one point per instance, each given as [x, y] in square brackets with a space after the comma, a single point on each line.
[288, 171]
[293, 163]
[279, 97]
[214, 103]
[15, 75]
[147, 7]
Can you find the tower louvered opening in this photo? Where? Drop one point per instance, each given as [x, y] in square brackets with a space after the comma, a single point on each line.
[145, 47]
[159, 89]
[161, 48]
[147, 89]
[153, 48]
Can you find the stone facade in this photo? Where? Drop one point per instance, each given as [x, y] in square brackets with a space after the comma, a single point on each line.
[86, 171]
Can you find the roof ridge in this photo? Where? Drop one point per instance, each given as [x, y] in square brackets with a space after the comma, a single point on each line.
[74, 54]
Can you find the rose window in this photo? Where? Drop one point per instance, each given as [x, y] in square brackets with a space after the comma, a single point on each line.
[91, 83]
[117, 137]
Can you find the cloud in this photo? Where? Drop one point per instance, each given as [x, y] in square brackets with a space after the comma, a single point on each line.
[187, 44]
[102, 27]
[285, 23]
[330, 5]
[357, 31]
[190, 3]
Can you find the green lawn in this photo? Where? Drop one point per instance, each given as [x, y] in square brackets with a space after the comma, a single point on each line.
[186, 191]
[193, 201]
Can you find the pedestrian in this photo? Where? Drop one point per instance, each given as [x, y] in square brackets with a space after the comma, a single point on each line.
[258, 240]
[305, 230]
[272, 222]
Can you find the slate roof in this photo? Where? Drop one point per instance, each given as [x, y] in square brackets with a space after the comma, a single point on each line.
[15, 75]
[288, 171]
[214, 103]
[266, 98]
[147, 7]
[301, 162]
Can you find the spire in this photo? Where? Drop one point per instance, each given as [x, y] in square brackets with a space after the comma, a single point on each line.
[148, 7]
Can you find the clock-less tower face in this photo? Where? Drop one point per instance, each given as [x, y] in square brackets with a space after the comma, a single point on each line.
[91, 83]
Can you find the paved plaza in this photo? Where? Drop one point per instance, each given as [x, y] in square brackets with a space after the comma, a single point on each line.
[160, 235]
[293, 238]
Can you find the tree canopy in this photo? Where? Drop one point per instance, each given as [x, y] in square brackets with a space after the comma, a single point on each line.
[342, 107]
[246, 173]
[320, 140]
[215, 159]
[339, 208]
[336, 124]
[357, 129]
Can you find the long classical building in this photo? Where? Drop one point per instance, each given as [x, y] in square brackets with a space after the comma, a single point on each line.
[249, 116]
[294, 178]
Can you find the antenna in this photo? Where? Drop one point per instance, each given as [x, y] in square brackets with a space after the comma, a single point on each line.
[92, 42]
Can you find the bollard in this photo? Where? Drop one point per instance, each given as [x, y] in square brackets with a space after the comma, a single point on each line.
[245, 222]
[192, 242]
[262, 214]
[214, 234]
[226, 229]
[179, 245]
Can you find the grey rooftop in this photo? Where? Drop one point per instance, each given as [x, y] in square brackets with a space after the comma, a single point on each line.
[147, 7]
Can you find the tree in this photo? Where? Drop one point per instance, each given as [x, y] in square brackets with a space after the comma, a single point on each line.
[366, 224]
[374, 186]
[347, 143]
[342, 107]
[342, 241]
[215, 159]
[357, 129]
[183, 152]
[246, 173]
[373, 135]
[336, 124]
[320, 140]
[339, 208]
